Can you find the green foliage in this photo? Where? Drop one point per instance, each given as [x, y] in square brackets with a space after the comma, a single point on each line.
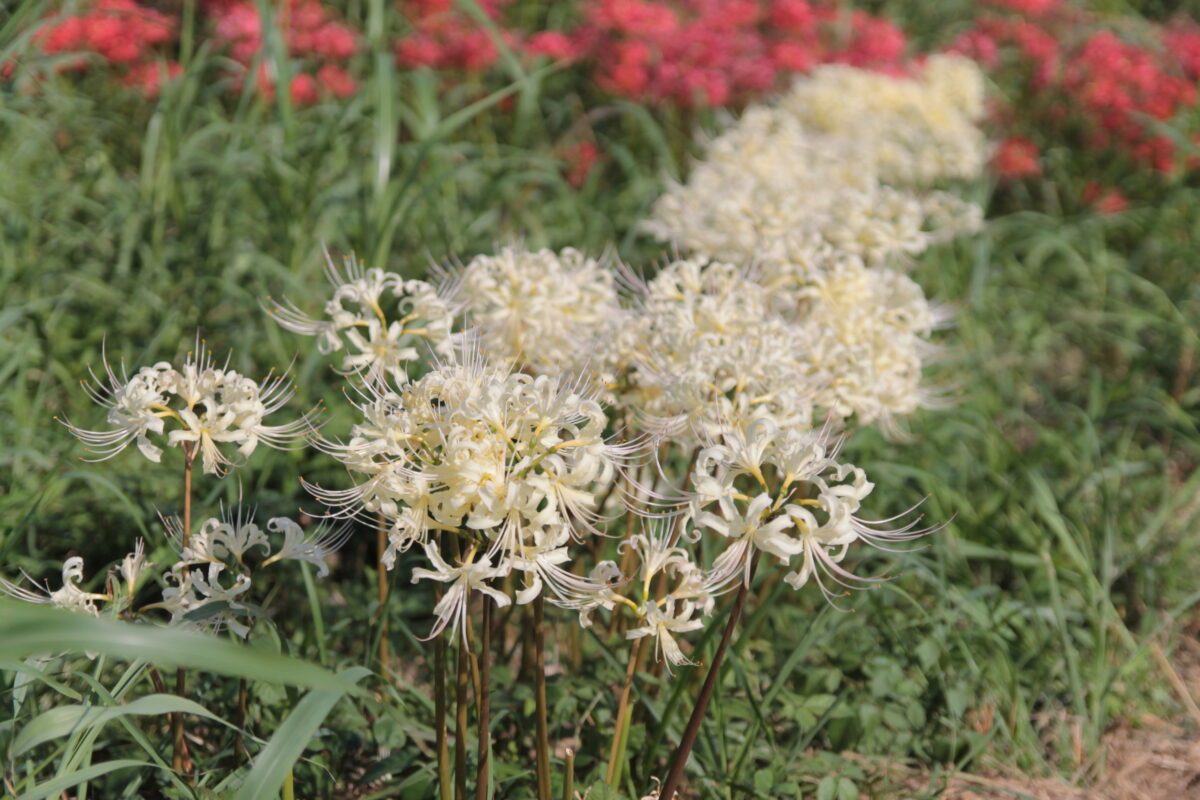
[1063, 470]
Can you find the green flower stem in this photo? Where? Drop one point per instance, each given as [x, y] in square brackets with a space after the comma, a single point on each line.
[616, 757]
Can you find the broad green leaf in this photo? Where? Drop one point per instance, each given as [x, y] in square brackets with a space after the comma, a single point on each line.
[27, 630]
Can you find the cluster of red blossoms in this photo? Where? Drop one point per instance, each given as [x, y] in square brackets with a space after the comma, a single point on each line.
[1119, 91]
[134, 39]
[678, 52]
[685, 53]
[672, 52]
[120, 32]
[311, 35]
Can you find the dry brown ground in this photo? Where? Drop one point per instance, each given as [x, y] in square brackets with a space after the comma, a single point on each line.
[1154, 759]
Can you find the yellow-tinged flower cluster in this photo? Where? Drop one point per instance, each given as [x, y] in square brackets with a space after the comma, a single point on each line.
[208, 405]
[505, 462]
[538, 310]
[377, 317]
[916, 130]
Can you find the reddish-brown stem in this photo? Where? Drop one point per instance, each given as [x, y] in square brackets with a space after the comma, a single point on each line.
[539, 677]
[462, 681]
[483, 702]
[439, 709]
[671, 784]
[179, 759]
[381, 545]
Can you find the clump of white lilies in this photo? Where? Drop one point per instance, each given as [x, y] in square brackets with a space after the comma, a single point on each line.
[545, 427]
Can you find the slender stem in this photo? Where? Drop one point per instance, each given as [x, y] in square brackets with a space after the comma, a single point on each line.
[381, 573]
[239, 743]
[539, 677]
[180, 762]
[439, 709]
[569, 775]
[483, 702]
[679, 761]
[289, 786]
[620, 734]
[460, 722]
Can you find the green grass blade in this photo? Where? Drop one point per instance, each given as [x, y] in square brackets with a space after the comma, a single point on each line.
[56, 786]
[68, 719]
[274, 763]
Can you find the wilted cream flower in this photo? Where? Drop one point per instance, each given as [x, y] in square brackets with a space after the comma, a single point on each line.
[132, 567]
[209, 406]
[219, 551]
[70, 596]
[380, 336]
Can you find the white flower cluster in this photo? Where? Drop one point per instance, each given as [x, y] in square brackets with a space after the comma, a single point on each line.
[917, 130]
[788, 310]
[213, 571]
[221, 547]
[377, 340]
[545, 312]
[505, 463]
[844, 161]
[210, 406]
[708, 348]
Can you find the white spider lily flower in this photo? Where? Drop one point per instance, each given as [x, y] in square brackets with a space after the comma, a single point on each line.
[218, 539]
[136, 408]
[191, 590]
[710, 351]
[546, 312]
[69, 597]
[313, 547]
[748, 530]
[210, 406]
[810, 509]
[380, 336]
[468, 576]
[474, 447]
[663, 623]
